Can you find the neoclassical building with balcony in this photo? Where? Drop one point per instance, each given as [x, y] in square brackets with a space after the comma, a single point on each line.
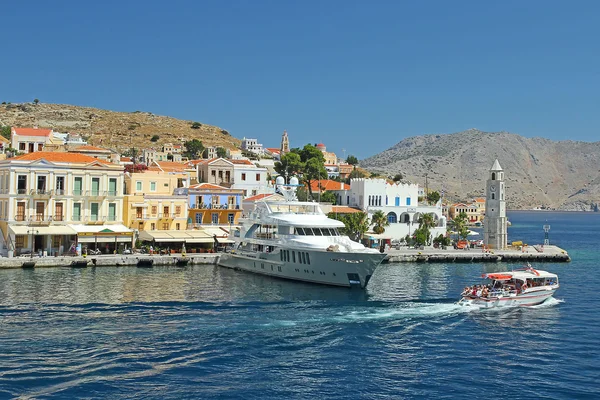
[211, 204]
[53, 201]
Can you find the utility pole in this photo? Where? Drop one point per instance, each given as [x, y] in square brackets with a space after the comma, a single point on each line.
[426, 189]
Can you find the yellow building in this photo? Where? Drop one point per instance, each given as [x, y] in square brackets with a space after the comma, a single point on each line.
[474, 210]
[153, 201]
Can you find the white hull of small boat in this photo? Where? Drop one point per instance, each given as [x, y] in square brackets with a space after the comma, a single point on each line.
[527, 299]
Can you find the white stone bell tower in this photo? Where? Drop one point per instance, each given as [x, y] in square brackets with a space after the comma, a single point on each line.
[495, 228]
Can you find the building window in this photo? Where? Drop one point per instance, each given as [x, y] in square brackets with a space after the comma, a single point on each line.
[408, 201]
[41, 184]
[257, 177]
[95, 186]
[20, 241]
[243, 176]
[138, 212]
[392, 218]
[76, 211]
[199, 218]
[112, 212]
[56, 241]
[165, 226]
[178, 226]
[22, 184]
[112, 187]
[153, 186]
[154, 210]
[215, 218]
[230, 218]
[60, 185]
[165, 211]
[138, 186]
[152, 226]
[21, 147]
[94, 211]
[39, 211]
[78, 186]
[178, 210]
[58, 211]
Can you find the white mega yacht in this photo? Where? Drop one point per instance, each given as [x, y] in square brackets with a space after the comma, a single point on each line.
[295, 240]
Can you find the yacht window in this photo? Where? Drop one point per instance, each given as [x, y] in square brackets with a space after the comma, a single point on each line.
[281, 255]
[300, 231]
[308, 258]
[330, 232]
[336, 232]
[317, 232]
[294, 256]
[300, 258]
[308, 231]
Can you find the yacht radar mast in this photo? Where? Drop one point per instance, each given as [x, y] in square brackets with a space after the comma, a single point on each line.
[288, 191]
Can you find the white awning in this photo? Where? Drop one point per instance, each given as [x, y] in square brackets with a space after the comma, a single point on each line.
[103, 239]
[116, 228]
[215, 231]
[188, 236]
[42, 230]
[224, 240]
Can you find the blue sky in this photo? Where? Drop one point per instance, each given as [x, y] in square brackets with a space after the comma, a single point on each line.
[356, 75]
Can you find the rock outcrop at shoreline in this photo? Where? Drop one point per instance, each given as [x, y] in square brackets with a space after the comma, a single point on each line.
[562, 175]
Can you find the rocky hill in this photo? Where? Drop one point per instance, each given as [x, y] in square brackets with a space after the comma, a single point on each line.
[114, 130]
[539, 172]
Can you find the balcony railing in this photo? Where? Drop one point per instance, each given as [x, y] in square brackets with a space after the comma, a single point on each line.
[166, 215]
[77, 192]
[111, 218]
[21, 191]
[112, 193]
[59, 192]
[57, 218]
[76, 218]
[20, 217]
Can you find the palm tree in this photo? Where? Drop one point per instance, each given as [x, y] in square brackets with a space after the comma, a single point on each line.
[356, 225]
[426, 222]
[379, 220]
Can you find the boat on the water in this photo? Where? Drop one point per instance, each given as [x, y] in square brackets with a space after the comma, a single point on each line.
[522, 287]
[295, 240]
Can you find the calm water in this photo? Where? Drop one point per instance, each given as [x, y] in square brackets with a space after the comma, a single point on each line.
[206, 332]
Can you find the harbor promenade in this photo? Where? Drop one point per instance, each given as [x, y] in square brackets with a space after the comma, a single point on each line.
[110, 260]
[536, 253]
[530, 253]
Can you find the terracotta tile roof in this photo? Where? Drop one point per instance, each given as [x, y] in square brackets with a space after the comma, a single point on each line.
[206, 161]
[56, 156]
[210, 186]
[126, 159]
[344, 210]
[479, 200]
[90, 148]
[241, 162]
[274, 150]
[32, 131]
[327, 184]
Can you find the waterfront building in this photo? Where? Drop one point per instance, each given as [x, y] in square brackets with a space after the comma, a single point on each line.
[210, 152]
[70, 140]
[169, 152]
[398, 201]
[211, 204]
[495, 230]
[52, 201]
[273, 152]
[152, 201]
[475, 210]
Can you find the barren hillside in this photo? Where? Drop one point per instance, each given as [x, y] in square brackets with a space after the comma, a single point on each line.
[115, 130]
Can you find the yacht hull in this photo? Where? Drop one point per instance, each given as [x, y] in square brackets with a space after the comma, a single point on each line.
[322, 267]
[520, 300]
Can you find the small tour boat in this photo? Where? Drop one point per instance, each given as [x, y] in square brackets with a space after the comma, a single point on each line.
[521, 287]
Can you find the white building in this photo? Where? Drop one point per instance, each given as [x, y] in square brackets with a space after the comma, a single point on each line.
[398, 201]
[29, 140]
[250, 178]
[252, 146]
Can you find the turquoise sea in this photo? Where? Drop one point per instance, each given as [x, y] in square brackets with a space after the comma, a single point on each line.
[204, 332]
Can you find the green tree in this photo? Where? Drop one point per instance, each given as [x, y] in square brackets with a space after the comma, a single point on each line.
[193, 148]
[36, 101]
[5, 131]
[355, 224]
[459, 225]
[397, 177]
[313, 171]
[154, 138]
[221, 152]
[423, 233]
[289, 165]
[309, 152]
[379, 221]
[352, 160]
[357, 174]
[433, 197]
[328, 197]
[196, 125]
